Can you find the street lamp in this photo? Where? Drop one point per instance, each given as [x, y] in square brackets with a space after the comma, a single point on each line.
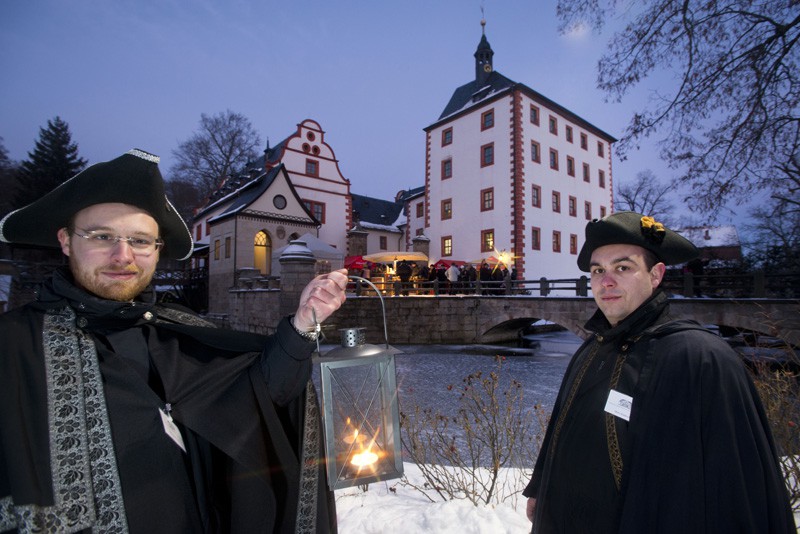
[360, 414]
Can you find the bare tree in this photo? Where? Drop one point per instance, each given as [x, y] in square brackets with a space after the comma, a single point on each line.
[224, 143]
[646, 195]
[775, 236]
[732, 120]
[185, 196]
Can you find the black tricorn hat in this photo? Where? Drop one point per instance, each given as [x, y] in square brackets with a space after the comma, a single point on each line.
[631, 228]
[132, 178]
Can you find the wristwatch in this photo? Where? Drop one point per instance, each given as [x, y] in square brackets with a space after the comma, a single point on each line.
[308, 335]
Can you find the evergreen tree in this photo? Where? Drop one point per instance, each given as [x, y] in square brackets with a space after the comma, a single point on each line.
[53, 161]
[8, 179]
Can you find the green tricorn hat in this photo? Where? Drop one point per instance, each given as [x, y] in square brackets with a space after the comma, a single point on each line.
[631, 228]
[132, 178]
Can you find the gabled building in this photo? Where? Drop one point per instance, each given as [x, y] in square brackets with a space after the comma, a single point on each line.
[413, 201]
[377, 225]
[313, 170]
[294, 190]
[510, 170]
[719, 245]
[243, 227]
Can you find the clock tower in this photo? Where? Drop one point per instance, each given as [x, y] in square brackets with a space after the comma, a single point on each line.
[483, 58]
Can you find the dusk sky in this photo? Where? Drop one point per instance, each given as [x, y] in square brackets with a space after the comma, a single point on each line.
[127, 74]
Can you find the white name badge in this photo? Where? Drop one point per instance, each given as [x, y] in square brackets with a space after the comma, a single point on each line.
[172, 429]
[619, 404]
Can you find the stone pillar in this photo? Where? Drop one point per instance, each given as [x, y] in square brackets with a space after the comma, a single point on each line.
[357, 242]
[297, 270]
[422, 244]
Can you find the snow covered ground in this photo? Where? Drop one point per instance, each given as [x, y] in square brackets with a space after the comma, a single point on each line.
[392, 507]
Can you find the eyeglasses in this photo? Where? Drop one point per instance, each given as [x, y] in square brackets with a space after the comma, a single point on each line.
[141, 246]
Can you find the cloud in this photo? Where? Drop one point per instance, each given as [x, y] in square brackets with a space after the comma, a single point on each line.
[577, 32]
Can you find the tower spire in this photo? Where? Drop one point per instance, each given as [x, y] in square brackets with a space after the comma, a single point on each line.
[483, 56]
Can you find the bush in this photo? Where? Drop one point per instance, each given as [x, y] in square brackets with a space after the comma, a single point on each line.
[779, 390]
[464, 455]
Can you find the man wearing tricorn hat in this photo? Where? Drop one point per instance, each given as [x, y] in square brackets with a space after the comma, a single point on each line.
[657, 427]
[121, 415]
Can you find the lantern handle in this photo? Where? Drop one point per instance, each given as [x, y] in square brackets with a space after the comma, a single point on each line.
[383, 308]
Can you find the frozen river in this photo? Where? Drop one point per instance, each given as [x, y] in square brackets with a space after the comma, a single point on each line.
[424, 372]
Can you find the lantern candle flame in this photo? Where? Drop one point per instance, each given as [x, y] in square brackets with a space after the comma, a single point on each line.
[364, 459]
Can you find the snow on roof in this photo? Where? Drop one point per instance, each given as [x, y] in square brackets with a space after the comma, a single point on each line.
[382, 227]
[711, 236]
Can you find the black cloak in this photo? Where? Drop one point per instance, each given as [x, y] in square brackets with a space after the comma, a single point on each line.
[242, 403]
[696, 455]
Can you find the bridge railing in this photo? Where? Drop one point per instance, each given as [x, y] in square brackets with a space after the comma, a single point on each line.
[736, 285]
[756, 284]
[541, 287]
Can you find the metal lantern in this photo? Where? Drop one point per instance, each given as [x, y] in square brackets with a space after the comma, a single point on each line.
[360, 413]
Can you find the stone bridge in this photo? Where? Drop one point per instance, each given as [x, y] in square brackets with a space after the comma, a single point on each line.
[457, 319]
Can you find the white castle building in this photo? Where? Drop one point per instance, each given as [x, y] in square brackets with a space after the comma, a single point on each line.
[509, 170]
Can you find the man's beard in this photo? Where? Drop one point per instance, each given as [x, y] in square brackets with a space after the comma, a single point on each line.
[120, 290]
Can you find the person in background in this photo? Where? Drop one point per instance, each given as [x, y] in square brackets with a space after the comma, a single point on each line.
[452, 274]
[404, 274]
[118, 414]
[657, 427]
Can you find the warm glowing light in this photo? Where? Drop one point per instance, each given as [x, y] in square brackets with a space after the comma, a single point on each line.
[355, 437]
[364, 459]
[504, 257]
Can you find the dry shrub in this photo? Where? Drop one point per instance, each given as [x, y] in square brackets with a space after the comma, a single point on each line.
[470, 454]
[779, 389]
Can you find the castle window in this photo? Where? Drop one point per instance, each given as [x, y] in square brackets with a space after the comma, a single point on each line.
[487, 199]
[534, 115]
[447, 245]
[556, 202]
[536, 196]
[447, 208]
[447, 168]
[554, 159]
[317, 209]
[487, 155]
[487, 240]
[262, 252]
[487, 119]
[312, 167]
[553, 125]
[447, 136]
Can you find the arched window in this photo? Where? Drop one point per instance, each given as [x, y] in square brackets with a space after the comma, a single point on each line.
[262, 251]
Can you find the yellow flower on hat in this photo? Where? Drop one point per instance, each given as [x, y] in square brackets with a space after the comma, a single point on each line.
[653, 230]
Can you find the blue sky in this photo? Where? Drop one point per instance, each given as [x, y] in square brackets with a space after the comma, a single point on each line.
[127, 74]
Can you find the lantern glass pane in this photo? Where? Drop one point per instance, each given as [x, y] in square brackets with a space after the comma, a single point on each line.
[361, 420]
